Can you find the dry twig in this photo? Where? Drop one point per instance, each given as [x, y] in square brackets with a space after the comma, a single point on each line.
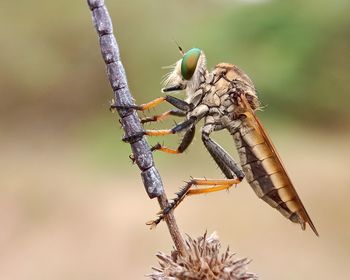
[128, 117]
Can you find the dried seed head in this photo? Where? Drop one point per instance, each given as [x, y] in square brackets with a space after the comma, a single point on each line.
[203, 262]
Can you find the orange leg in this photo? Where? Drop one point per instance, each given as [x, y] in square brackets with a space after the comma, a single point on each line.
[178, 103]
[160, 132]
[138, 135]
[221, 184]
[161, 148]
[142, 107]
[163, 116]
[156, 118]
[217, 185]
[185, 142]
[151, 104]
[185, 125]
[176, 129]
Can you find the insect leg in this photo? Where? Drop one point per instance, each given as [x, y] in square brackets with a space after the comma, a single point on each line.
[225, 162]
[176, 129]
[179, 103]
[194, 116]
[185, 142]
[156, 118]
[217, 185]
[197, 114]
[176, 102]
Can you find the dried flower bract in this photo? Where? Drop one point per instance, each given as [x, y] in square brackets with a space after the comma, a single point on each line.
[203, 261]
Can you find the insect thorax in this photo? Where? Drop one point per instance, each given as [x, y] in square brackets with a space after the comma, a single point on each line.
[219, 90]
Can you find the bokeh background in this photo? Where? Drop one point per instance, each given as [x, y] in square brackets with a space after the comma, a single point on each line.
[71, 204]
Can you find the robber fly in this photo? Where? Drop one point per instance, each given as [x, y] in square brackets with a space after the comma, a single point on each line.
[226, 99]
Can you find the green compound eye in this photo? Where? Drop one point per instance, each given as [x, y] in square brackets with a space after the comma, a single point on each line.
[189, 63]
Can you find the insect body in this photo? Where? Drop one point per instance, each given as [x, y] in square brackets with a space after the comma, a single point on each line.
[226, 99]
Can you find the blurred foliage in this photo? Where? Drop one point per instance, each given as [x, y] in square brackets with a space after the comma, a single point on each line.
[73, 207]
[297, 52]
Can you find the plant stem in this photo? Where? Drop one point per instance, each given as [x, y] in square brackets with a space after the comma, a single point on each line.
[128, 117]
[172, 226]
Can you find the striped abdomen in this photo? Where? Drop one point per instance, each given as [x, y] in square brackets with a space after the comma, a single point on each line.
[265, 173]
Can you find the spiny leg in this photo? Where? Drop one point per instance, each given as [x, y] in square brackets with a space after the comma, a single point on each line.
[185, 142]
[197, 114]
[225, 162]
[176, 129]
[156, 118]
[218, 185]
[183, 108]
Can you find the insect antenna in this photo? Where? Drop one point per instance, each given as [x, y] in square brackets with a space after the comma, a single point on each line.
[178, 46]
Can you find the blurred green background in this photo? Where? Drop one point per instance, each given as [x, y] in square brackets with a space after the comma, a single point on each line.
[71, 204]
